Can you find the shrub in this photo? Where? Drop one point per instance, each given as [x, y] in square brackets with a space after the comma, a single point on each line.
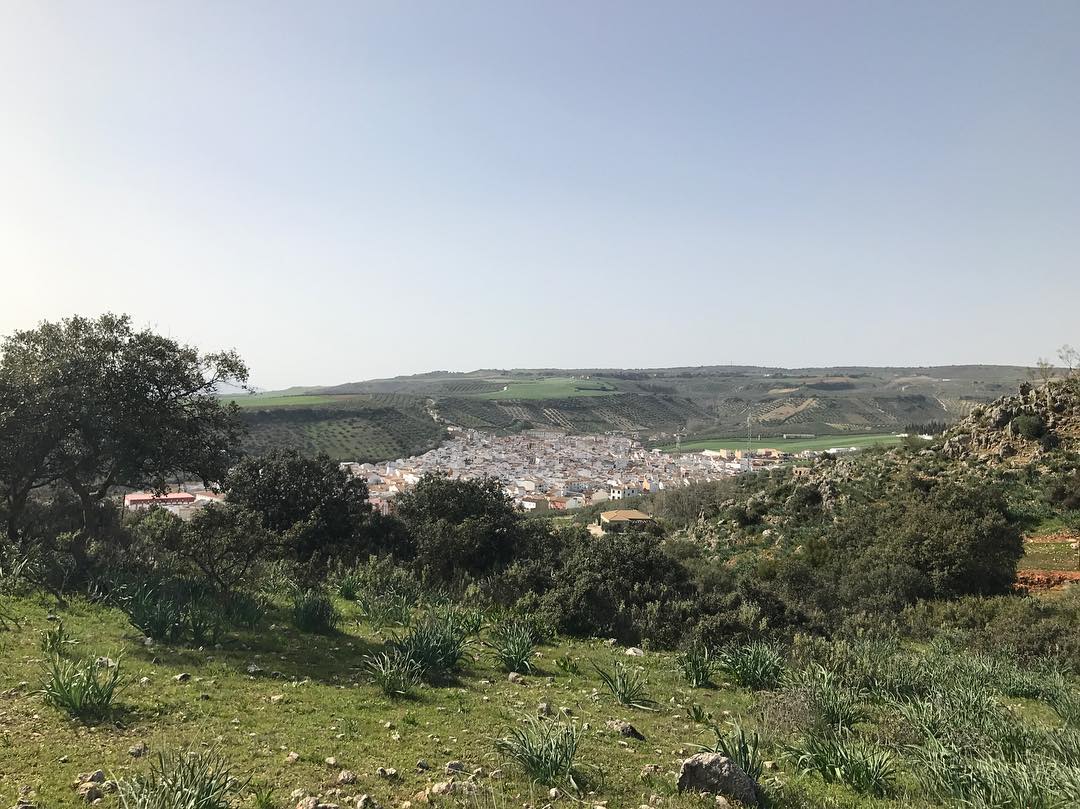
[204, 621]
[544, 749]
[82, 688]
[511, 644]
[395, 673]
[696, 665]
[757, 666]
[834, 706]
[1030, 427]
[628, 686]
[183, 780]
[313, 611]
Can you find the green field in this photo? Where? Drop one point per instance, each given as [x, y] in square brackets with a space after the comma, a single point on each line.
[791, 445]
[554, 387]
[1049, 556]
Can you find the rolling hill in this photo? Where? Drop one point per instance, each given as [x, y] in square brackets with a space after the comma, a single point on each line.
[389, 418]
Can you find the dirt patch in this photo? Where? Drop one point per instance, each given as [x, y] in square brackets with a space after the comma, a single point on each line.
[1043, 580]
[1047, 539]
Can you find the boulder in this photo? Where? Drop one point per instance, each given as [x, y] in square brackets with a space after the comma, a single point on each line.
[624, 728]
[716, 774]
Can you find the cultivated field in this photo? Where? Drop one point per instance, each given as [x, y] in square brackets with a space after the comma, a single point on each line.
[555, 387]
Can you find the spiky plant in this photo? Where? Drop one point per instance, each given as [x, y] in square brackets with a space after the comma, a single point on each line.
[313, 611]
[83, 688]
[511, 643]
[758, 666]
[544, 749]
[183, 780]
[55, 640]
[740, 748]
[697, 665]
[628, 686]
[396, 674]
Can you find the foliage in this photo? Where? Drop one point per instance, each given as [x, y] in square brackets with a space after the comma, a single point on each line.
[55, 640]
[313, 611]
[628, 686]
[436, 643]
[196, 779]
[394, 672]
[93, 404]
[863, 767]
[697, 665]
[756, 665]
[157, 613]
[511, 643]
[544, 749]
[83, 688]
[740, 748]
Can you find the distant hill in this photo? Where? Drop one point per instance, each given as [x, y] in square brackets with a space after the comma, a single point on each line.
[384, 418]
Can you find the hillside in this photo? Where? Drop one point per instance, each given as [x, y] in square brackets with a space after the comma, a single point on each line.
[353, 421]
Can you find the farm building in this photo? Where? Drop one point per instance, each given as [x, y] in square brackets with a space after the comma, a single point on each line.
[622, 519]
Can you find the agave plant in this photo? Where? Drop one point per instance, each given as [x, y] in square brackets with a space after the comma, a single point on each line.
[184, 780]
[697, 665]
[511, 643]
[544, 749]
[83, 688]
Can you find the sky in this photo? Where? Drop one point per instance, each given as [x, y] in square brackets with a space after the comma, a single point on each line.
[351, 190]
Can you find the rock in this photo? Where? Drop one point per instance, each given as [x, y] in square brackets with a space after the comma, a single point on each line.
[387, 772]
[716, 774]
[553, 793]
[516, 678]
[330, 761]
[105, 663]
[292, 758]
[90, 791]
[144, 681]
[422, 765]
[454, 767]
[277, 698]
[253, 668]
[138, 750]
[182, 677]
[651, 770]
[308, 803]
[346, 777]
[365, 801]
[624, 728]
[634, 651]
[543, 709]
[95, 777]
[442, 788]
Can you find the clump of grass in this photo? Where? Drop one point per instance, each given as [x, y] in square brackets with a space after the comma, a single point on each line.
[567, 665]
[382, 609]
[740, 748]
[862, 767]
[757, 666]
[82, 688]
[313, 611]
[511, 643]
[184, 780]
[628, 686]
[262, 797]
[349, 585]
[834, 706]
[436, 644]
[204, 621]
[55, 640]
[544, 749]
[395, 673]
[697, 665]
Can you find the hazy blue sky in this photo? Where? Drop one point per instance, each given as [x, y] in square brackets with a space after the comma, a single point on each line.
[358, 189]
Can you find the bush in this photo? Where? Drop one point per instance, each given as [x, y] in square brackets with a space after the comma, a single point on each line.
[1030, 427]
[82, 688]
[757, 666]
[154, 612]
[544, 749]
[314, 611]
[183, 780]
[512, 645]
[395, 673]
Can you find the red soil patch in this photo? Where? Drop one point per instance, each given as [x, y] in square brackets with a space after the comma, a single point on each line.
[1046, 579]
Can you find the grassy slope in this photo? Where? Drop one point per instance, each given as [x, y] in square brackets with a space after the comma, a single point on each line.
[330, 710]
[550, 388]
[793, 445]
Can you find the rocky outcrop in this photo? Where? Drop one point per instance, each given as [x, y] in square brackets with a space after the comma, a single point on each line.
[716, 774]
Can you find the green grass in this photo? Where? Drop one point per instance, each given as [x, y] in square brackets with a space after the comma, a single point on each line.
[552, 387]
[1049, 556]
[820, 442]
